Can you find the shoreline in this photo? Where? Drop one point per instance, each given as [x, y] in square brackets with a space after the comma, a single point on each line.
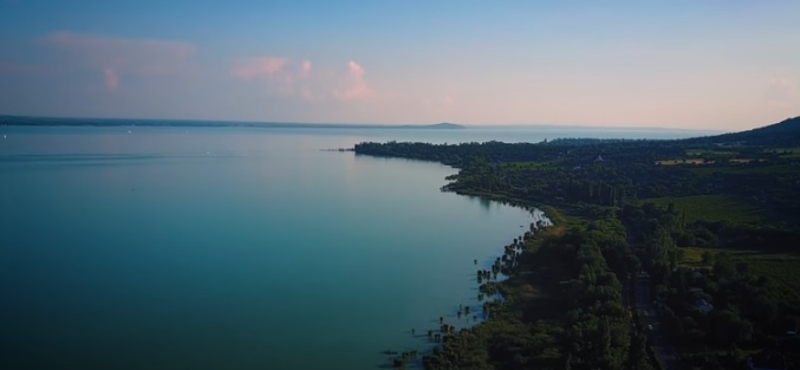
[489, 285]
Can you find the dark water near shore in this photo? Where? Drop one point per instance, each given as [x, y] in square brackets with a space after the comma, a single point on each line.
[233, 248]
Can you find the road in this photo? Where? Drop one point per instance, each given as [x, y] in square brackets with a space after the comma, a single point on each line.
[655, 336]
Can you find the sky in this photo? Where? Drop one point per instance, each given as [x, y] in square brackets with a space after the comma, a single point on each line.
[704, 64]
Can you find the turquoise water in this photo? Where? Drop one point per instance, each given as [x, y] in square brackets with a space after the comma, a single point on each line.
[231, 248]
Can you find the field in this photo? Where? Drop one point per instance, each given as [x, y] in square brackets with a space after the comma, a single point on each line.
[748, 169]
[785, 152]
[711, 207]
[709, 152]
[674, 162]
[782, 269]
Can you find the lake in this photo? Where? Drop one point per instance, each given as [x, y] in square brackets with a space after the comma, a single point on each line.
[236, 248]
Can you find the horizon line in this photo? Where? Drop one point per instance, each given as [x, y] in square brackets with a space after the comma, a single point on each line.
[254, 123]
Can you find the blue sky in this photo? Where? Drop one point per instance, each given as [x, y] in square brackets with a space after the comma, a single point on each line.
[697, 64]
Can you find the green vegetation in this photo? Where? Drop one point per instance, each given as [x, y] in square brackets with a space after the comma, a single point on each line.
[785, 152]
[756, 169]
[716, 207]
[575, 319]
[645, 257]
[710, 152]
[782, 269]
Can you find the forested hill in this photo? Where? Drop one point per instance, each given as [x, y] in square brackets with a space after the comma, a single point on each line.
[783, 133]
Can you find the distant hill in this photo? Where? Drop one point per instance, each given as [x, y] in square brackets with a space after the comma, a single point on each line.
[446, 125]
[783, 133]
[59, 121]
[443, 125]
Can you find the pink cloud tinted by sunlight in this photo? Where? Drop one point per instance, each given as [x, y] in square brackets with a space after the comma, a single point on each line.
[355, 87]
[111, 79]
[581, 63]
[259, 67]
[355, 69]
[284, 77]
[306, 68]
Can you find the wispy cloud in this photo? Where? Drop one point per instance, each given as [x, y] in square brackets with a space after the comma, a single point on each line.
[116, 56]
[306, 68]
[354, 87]
[259, 67]
[111, 79]
[286, 77]
[280, 74]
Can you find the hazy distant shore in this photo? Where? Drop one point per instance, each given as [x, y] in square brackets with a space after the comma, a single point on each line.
[113, 122]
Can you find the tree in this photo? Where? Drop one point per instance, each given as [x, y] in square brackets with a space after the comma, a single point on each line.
[708, 258]
[724, 266]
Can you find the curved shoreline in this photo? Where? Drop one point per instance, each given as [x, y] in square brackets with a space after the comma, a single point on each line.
[487, 284]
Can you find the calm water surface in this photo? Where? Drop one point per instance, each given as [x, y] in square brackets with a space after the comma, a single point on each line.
[232, 248]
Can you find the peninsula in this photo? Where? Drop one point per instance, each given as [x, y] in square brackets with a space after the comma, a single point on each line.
[667, 254]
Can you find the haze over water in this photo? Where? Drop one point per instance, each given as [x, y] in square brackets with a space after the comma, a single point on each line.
[234, 248]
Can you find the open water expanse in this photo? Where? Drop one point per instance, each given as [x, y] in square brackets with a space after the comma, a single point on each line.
[236, 248]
